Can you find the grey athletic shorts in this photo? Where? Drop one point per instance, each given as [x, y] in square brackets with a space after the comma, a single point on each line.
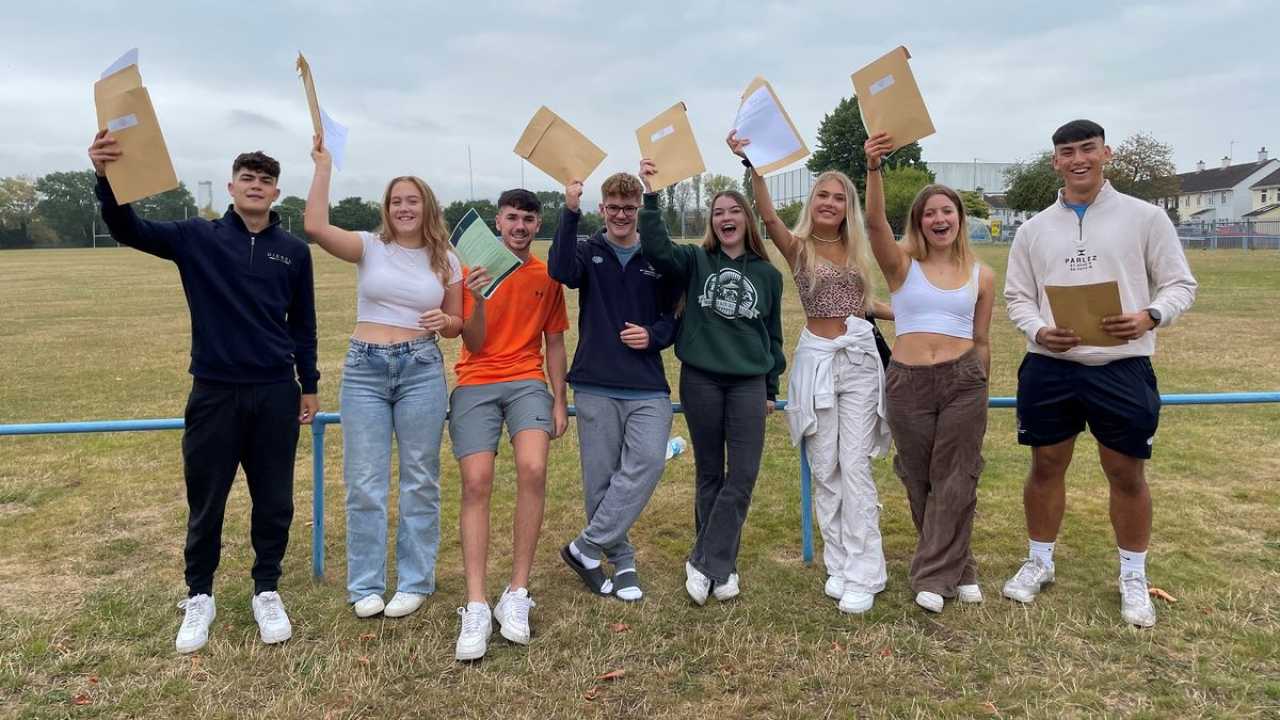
[476, 413]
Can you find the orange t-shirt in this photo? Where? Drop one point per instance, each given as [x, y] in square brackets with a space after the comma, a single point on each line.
[526, 304]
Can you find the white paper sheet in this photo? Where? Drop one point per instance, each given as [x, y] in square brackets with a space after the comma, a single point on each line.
[761, 121]
[335, 138]
[124, 61]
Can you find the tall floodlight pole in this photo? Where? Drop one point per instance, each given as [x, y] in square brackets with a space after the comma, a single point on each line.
[471, 179]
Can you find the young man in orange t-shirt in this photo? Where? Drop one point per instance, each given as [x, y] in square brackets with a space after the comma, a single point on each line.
[501, 379]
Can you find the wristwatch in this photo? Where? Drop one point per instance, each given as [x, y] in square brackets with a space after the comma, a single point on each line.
[1155, 316]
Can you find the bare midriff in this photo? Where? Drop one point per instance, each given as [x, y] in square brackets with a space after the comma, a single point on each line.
[923, 348]
[826, 327]
[379, 334]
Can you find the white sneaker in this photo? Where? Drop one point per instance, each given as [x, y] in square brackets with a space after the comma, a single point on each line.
[403, 603]
[273, 623]
[728, 589]
[696, 584]
[1135, 601]
[512, 614]
[969, 593]
[477, 626]
[834, 587]
[929, 601]
[1028, 581]
[368, 606]
[856, 602]
[194, 633]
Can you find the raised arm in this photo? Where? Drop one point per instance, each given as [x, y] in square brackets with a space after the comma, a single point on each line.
[563, 262]
[155, 238]
[891, 258]
[655, 242]
[777, 230]
[342, 244]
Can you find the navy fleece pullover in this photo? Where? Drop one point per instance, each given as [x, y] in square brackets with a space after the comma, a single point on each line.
[251, 296]
[611, 295]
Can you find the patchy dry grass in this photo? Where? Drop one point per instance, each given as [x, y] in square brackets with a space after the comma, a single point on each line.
[91, 530]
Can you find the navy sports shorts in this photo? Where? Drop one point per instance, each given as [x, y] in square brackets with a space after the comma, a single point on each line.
[1119, 401]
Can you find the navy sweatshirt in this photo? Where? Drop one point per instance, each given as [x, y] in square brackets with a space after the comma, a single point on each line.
[251, 297]
[609, 296]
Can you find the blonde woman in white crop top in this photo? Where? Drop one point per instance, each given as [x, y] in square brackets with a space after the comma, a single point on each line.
[936, 384]
[409, 291]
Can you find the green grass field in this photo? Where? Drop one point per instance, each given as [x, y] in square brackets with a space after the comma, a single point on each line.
[91, 534]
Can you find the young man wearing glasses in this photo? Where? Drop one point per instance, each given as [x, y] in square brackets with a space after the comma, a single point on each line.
[626, 317]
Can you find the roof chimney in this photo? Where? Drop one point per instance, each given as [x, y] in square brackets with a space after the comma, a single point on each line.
[1262, 154]
[1226, 162]
[1200, 166]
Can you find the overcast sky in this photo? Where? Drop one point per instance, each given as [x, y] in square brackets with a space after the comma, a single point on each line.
[418, 83]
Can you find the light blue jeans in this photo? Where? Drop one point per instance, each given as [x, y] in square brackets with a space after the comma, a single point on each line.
[390, 389]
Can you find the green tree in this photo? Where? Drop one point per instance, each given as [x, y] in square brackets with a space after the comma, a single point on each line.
[17, 202]
[1033, 185]
[790, 214]
[552, 201]
[354, 213]
[714, 184]
[841, 135]
[901, 185]
[974, 204]
[291, 210]
[590, 223]
[456, 209]
[67, 205]
[1143, 167]
[175, 204]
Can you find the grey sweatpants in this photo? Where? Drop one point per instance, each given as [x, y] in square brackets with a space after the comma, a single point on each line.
[623, 445]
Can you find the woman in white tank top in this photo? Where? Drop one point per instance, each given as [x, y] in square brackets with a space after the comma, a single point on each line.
[936, 384]
[409, 291]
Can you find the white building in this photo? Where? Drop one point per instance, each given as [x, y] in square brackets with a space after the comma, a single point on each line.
[1222, 193]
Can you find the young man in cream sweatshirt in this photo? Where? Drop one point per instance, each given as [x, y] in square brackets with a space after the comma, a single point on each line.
[1092, 234]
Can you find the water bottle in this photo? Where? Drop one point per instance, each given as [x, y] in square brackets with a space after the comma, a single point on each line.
[675, 446]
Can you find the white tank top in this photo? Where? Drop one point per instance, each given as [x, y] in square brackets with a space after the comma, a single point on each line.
[919, 306]
[395, 284]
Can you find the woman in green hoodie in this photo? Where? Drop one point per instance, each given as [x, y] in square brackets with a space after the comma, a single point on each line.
[730, 347]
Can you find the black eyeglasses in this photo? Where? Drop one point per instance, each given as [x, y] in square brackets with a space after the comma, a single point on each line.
[624, 210]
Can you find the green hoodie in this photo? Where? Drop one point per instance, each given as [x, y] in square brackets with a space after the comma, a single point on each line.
[732, 320]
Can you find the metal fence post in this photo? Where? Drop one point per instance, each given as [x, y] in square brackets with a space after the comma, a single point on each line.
[317, 498]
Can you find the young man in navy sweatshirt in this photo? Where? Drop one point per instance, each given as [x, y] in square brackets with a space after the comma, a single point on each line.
[253, 326]
[626, 316]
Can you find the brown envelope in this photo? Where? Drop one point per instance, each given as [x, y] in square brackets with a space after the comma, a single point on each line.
[124, 107]
[557, 149]
[800, 153]
[1080, 308]
[309, 84]
[890, 100]
[668, 141]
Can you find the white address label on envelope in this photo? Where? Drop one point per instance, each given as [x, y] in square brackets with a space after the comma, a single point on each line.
[122, 123]
[882, 84]
[668, 130]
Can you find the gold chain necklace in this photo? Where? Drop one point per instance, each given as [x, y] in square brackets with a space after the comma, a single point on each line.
[821, 239]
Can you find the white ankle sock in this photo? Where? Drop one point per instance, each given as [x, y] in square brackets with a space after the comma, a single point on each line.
[1133, 562]
[588, 563]
[631, 593]
[1042, 550]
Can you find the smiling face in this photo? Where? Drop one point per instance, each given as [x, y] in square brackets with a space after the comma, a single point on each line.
[729, 222]
[828, 206]
[1081, 165]
[939, 222]
[619, 213]
[405, 208]
[518, 228]
[253, 192]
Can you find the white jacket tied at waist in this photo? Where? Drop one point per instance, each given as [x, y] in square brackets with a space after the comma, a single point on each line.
[812, 386]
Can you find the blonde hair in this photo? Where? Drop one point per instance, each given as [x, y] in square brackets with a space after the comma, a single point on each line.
[913, 240]
[434, 236]
[622, 185]
[852, 232]
[754, 243]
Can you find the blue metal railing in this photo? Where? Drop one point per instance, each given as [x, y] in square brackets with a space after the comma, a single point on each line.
[323, 420]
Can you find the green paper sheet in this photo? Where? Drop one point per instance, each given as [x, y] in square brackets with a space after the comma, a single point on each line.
[477, 246]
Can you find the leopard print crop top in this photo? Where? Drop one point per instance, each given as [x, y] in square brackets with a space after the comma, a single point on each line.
[839, 292]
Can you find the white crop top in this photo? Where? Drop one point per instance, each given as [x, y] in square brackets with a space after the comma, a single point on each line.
[919, 306]
[395, 284]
